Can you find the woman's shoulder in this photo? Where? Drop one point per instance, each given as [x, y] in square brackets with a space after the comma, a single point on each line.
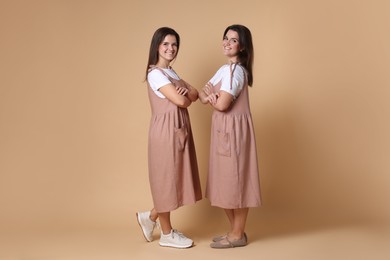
[160, 72]
[228, 69]
[239, 69]
[155, 71]
[223, 70]
[224, 67]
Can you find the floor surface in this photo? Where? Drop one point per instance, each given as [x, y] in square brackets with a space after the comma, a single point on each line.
[327, 243]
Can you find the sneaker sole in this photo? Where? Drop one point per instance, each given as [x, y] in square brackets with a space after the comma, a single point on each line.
[175, 246]
[143, 232]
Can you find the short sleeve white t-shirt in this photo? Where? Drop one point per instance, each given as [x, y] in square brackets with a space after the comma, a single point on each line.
[224, 74]
[157, 79]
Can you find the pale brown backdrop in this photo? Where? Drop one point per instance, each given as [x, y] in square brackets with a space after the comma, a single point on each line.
[74, 111]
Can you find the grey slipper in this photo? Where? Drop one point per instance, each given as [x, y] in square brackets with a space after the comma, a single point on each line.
[226, 243]
[219, 238]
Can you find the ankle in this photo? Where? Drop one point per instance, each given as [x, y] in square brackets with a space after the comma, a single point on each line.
[165, 232]
[235, 235]
[153, 217]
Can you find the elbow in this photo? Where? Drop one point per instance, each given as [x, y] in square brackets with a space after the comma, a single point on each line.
[203, 99]
[221, 108]
[183, 103]
[193, 98]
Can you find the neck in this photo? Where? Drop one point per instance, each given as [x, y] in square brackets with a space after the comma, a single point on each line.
[234, 60]
[164, 65]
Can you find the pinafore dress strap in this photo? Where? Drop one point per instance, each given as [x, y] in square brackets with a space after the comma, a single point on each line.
[233, 67]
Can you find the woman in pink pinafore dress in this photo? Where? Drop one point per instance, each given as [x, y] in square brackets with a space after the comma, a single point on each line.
[173, 169]
[233, 179]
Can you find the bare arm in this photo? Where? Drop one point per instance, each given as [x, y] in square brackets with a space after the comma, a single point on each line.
[205, 92]
[176, 95]
[220, 101]
[192, 92]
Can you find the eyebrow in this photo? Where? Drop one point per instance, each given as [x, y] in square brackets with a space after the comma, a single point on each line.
[231, 38]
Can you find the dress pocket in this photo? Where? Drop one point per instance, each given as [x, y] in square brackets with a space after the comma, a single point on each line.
[223, 144]
[180, 138]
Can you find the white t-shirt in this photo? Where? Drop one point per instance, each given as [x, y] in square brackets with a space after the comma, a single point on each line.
[157, 80]
[224, 74]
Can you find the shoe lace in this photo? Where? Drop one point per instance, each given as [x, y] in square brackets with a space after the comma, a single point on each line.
[179, 234]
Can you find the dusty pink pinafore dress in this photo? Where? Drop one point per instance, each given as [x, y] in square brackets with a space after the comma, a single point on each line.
[173, 169]
[233, 179]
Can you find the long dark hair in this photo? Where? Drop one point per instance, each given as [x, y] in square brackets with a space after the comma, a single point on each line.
[246, 54]
[157, 39]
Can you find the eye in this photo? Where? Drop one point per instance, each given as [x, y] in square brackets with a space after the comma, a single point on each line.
[233, 41]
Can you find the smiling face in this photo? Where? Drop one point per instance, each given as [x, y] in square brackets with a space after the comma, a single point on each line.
[231, 46]
[167, 50]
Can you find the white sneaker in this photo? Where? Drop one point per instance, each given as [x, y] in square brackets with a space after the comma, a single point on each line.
[147, 225]
[175, 239]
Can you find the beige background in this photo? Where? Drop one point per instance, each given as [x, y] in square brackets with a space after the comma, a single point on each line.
[74, 118]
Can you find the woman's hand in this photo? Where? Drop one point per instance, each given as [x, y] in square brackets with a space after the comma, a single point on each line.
[207, 95]
[176, 95]
[212, 98]
[181, 91]
[208, 89]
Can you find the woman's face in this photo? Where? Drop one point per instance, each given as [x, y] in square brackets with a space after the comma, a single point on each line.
[231, 46]
[168, 48]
